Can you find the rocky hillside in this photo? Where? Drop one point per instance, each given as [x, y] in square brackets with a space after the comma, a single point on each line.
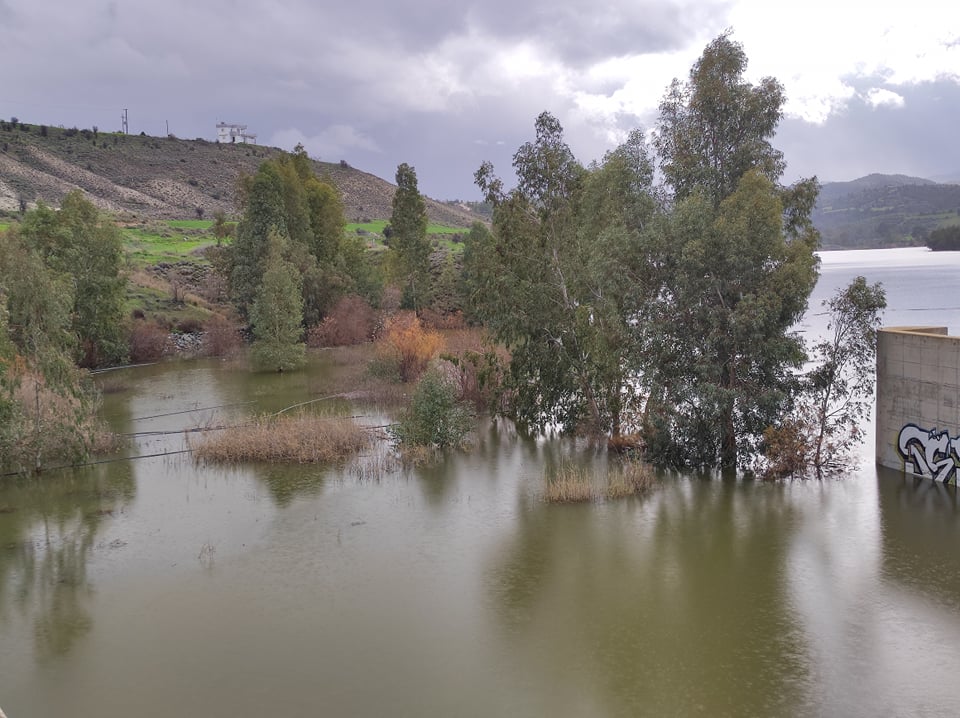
[168, 178]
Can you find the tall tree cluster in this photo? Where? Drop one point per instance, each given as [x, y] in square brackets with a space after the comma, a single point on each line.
[83, 247]
[554, 277]
[293, 220]
[61, 304]
[666, 309]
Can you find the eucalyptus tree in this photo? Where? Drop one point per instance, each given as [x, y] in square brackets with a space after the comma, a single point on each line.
[327, 219]
[552, 277]
[733, 265]
[718, 354]
[715, 127]
[839, 390]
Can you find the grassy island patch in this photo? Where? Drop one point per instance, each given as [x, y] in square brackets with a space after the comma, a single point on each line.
[573, 484]
[297, 439]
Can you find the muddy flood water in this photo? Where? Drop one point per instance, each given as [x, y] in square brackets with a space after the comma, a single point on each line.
[159, 586]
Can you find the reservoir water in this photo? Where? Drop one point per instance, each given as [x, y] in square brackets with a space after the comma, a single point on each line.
[159, 587]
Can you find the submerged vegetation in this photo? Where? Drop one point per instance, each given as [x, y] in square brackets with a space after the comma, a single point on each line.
[436, 417]
[619, 300]
[293, 439]
[834, 398]
[574, 484]
[43, 424]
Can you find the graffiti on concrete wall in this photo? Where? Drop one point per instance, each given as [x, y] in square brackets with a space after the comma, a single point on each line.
[930, 453]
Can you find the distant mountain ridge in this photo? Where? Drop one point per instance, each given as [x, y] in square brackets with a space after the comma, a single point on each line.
[884, 211]
[166, 177]
[832, 190]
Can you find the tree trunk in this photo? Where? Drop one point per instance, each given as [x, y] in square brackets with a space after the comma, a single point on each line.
[728, 441]
[728, 434]
[592, 405]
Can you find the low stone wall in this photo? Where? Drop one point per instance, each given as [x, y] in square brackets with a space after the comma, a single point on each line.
[918, 401]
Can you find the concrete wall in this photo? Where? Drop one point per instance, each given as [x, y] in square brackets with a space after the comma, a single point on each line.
[918, 401]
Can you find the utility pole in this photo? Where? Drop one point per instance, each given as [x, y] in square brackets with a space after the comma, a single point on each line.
[123, 119]
[168, 127]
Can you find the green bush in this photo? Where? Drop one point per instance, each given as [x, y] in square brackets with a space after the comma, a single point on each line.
[435, 416]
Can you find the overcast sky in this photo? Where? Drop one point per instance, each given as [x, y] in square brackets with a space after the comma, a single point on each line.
[444, 85]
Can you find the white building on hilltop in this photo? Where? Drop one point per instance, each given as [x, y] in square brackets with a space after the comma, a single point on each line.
[229, 133]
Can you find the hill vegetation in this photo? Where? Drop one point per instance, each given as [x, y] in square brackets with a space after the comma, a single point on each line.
[945, 239]
[884, 211]
[142, 177]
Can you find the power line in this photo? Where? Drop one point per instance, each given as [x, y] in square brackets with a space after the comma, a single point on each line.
[190, 411]
[185, 431]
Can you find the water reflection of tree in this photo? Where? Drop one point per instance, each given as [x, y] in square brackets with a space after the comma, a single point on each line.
[286, 483]
[670, 605]
[48, 533]
[498, 452]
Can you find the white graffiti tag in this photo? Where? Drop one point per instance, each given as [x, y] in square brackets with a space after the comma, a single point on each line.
[933, 453]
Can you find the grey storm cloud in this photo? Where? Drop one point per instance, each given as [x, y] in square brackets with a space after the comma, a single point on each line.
[274, 46]
[584, 31]
[918, 138]
[438, 84]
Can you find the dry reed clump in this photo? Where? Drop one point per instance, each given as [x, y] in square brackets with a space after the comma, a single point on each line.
[45, 427]
[378, 463]
[574, 484]
[416, 455]
[296, 439]
[104, 442]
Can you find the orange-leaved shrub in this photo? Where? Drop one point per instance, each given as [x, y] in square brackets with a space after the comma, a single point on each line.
[407, 347]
